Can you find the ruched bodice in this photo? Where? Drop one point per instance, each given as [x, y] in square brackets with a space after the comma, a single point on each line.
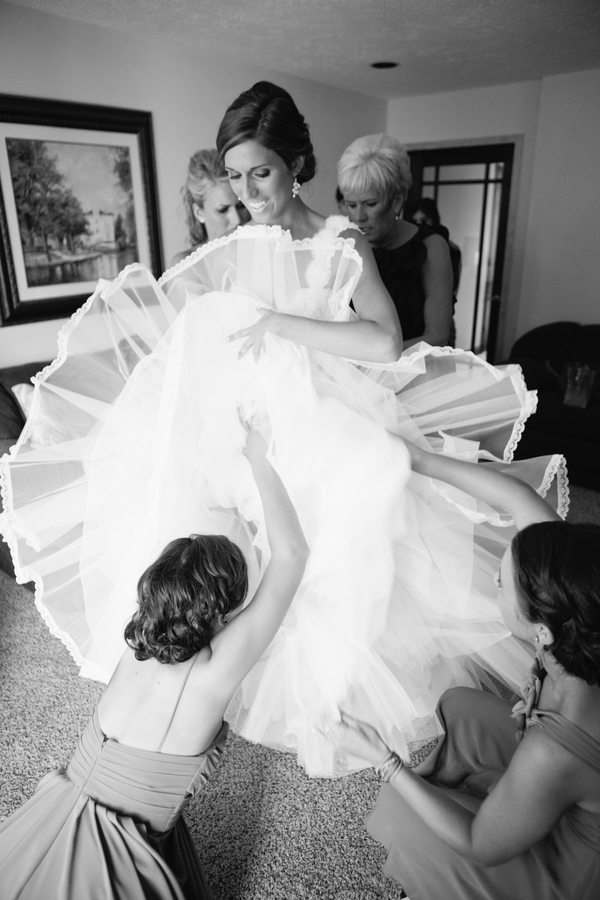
[108, 826]
[154, 787]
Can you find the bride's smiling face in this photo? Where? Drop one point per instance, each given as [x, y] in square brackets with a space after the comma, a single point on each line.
[261, 180]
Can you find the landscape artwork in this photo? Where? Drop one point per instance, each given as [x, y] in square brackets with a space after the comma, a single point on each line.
[75, 210]
[78, 203]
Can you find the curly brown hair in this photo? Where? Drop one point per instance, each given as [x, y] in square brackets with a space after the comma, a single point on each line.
[557, 580]
[194, 582]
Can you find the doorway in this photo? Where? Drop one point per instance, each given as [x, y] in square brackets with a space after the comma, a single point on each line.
[471, 188]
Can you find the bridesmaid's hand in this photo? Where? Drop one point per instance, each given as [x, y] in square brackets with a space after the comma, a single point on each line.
[255, 448]
[355, 738]
[255, 334]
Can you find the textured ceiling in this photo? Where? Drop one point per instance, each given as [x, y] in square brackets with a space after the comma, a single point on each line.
[441, 45]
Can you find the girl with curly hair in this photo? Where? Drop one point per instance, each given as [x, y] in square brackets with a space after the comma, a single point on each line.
[109, 826]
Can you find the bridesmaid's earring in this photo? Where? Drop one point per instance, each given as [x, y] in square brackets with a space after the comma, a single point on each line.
[295, 188]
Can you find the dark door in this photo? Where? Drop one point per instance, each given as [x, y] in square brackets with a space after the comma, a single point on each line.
[471, 187]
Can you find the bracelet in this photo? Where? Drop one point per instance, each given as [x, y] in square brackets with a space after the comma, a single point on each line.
[389, 766]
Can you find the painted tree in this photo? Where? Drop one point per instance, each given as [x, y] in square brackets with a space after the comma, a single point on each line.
[45, 206]
[122, 169]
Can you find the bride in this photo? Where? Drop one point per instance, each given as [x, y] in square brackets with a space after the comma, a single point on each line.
[135, 438]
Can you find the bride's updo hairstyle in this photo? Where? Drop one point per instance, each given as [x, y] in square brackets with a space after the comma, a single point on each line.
[267, 114]
[192, 585]
[557, 580]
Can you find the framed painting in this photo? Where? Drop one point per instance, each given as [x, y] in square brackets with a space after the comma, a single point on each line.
[78, 202]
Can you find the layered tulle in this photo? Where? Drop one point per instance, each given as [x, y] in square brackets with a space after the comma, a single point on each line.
[397, 602]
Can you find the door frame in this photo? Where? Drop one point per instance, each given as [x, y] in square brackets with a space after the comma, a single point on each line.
[508, 306]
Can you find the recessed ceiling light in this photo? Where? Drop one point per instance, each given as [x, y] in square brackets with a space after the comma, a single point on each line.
[384, 65]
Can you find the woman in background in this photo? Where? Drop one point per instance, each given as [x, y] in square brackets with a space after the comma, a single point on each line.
[515, 819]
[414, 264]
[425, 214]
[211, 207]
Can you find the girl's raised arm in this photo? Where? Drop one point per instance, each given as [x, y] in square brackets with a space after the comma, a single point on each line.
[240, 645]
[483, 482]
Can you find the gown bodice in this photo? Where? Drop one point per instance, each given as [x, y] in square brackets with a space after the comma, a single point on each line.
[314, 277]
[152, 786]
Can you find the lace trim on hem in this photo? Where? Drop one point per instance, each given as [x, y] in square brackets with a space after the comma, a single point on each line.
[424, 349]
[24, 576]
[529, 401]
[63, 338]
[7, 529]
[556, 468]
[276, 232]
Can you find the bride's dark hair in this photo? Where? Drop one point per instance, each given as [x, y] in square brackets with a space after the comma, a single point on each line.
[194, 582]
[267, 114]
[557, 580]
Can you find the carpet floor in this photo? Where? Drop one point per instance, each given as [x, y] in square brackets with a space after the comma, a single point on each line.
[264, 831]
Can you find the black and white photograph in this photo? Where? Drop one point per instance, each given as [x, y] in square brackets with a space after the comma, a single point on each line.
[299, 443]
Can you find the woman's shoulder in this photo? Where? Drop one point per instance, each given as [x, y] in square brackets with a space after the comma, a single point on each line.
[563, 755]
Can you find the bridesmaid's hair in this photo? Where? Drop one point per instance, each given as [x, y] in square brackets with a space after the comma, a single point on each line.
[205, 171]
[557, 580]
[194, 582]
[267, 114]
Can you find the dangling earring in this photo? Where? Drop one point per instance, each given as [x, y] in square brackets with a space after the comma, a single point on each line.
[295, 188]
[537, 638]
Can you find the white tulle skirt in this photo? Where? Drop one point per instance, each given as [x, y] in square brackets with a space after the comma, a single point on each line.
[398, 600]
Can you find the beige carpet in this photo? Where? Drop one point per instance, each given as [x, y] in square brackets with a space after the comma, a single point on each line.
[264, 830]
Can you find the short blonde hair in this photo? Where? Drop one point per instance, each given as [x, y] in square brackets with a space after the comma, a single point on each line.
[375, 162]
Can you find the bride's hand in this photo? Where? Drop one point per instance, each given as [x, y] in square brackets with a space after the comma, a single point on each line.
[254, 334]
[355, 738]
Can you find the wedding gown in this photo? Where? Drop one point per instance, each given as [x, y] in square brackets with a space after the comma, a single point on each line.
[397, 602]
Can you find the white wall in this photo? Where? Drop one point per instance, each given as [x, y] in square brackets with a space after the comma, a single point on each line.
[554, 266]
[561, 279]
[482, 113]
[55, 58]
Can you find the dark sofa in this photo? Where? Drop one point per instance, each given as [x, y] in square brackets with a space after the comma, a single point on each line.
[11, 423]
[555, 427]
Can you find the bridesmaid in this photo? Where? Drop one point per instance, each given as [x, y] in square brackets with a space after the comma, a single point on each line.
[515, 819]
[109, 826]
[211, 207]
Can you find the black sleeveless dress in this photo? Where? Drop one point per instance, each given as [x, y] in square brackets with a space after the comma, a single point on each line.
[401, 272]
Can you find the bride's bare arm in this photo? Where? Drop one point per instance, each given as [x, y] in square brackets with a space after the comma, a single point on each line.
[375, 337]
